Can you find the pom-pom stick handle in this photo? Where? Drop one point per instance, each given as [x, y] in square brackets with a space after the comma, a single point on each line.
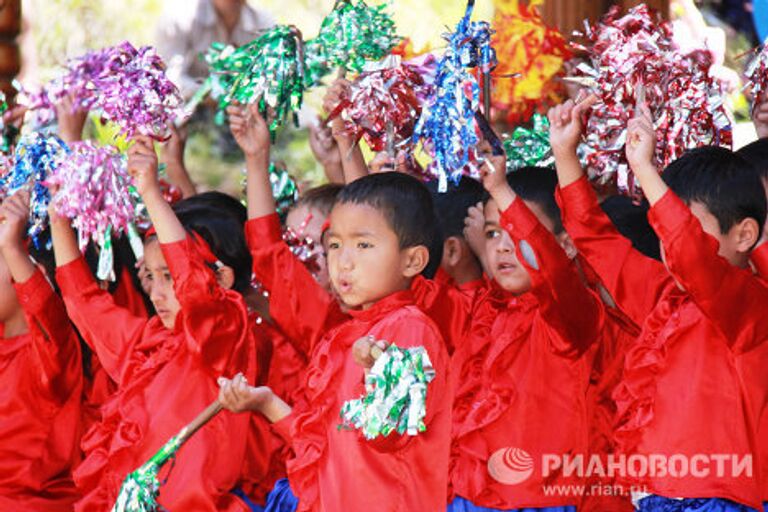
[204, 417]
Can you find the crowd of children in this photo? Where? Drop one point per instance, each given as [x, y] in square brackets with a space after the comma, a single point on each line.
[588, 353]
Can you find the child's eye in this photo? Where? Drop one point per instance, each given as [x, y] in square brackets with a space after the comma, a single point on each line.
[333, 245]
[491, 233]
[167, 276]
[364, 245]
[150, 278]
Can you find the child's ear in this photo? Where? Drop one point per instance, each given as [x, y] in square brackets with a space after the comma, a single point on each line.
[452, 251]
[225, 276]
[565, 241]
[415, 260]
[746, 233]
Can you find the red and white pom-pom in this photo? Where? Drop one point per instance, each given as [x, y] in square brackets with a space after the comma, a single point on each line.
[635, 53]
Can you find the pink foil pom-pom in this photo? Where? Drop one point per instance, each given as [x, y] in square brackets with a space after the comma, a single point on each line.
[94, 191]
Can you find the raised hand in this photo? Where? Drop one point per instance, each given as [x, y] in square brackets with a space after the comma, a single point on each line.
[760, 116]
[250, 130]
[71, 120]
[336, 93]
[566, 125]
[641, 141]
[14, 215]
[324, 147]
[142, 165]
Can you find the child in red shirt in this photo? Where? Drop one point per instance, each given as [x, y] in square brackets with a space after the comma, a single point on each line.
[521, 373]
[41, 376]
[165, 367]
[753, 366]
[680, 394]
[377, 242]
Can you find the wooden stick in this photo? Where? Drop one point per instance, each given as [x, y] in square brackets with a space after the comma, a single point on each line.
[201, 419]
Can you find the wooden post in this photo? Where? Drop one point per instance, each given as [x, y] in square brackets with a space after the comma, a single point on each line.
[569, 15]
[10, 59]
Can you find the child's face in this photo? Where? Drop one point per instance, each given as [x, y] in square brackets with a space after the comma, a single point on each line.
[505, 269]
[730, 246]
[365, 261]
[162, 295]
[9, 302]
[309, 222]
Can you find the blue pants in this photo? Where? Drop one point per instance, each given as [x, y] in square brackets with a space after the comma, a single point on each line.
[459, 504]
[281, 498]
[251, 505]
[662, 504]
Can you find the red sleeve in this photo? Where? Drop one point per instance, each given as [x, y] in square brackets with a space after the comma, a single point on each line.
[55, 343]
[408, 333]
[447, 306]
[732, 298]
[302, 309]
[215, 319]
[760, 259]
[634, 281]
[284, 427]
[108, 329]
[565, 302]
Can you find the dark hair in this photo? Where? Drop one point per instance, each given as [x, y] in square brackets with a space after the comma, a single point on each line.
[123, 260]
[214, 200]
[632, 222]
[406, 204]
[219, 219]
[537, 185]
[451, 206]
[723, 181]
[322, 197]
[756, 153]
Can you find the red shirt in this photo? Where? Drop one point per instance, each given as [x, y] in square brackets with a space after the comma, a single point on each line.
[681, 392]
[165, 378]
[760, 259]
[526, 356]
[753, 367]
[336, 469]
[41, 379]
[447, 304]
[100, 387]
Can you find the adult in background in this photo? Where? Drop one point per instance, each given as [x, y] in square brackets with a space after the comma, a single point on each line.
[188, 27]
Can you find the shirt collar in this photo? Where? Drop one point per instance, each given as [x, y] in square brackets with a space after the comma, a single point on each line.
[384, 306]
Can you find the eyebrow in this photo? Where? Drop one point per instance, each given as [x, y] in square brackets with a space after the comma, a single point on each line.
[356, 234]
[489, 223]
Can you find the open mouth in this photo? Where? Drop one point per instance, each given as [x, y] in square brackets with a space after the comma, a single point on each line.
[344, 286]
[505, 268]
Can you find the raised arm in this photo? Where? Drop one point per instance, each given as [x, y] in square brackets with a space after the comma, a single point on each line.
[565, 303]
[634, 281]
[214, 318]
[107, 328]
[57, 348]
[297, 304]
[352, 161]
[692, 255]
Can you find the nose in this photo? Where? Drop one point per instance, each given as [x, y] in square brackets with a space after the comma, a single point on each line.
[158, 291]
[505, 243]
[346, 259]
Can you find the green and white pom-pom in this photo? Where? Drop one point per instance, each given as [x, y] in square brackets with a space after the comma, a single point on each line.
[396, 395]
[140, 489]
